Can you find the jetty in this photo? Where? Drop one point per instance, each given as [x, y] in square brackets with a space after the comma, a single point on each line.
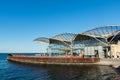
[99, 46]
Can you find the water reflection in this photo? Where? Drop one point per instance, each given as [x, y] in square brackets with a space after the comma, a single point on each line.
[59, 72]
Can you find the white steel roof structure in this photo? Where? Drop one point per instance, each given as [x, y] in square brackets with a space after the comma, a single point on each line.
[109, 33]
[42, 39]
[68, 37]
[104, 31]
[63, 37]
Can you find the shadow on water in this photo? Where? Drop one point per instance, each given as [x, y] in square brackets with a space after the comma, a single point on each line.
[118, 69]
[66, 72]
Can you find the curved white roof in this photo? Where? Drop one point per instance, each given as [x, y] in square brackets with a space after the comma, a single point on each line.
[65, 37]
[104, 31]
[100, 32]
[42, 39]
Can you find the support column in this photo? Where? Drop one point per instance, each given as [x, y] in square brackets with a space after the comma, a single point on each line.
[111, 53]
[107, 52]
[71, 48]
[49, 51]
[71, 52]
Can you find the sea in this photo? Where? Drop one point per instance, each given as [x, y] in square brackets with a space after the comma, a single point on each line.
[17, 71]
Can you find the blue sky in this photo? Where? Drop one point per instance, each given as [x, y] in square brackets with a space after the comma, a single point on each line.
[21, 21]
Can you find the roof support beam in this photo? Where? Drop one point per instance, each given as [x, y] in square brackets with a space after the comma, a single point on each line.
[114, 37]
[99, 40]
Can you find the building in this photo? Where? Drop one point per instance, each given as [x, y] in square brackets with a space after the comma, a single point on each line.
[100, 42]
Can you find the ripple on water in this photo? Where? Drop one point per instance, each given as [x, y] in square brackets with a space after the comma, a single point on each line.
[3, 64]
[13, 71]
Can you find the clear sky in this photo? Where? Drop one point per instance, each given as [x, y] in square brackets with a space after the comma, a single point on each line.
[21, 21]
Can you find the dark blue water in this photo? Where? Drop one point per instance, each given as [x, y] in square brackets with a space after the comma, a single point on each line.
[17, 71]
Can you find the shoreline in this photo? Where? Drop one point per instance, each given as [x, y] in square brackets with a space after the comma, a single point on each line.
[114, 67]
[66, 60]
[114, 63]
[117, 70]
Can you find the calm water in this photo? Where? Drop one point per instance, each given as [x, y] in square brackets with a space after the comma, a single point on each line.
[14, 71]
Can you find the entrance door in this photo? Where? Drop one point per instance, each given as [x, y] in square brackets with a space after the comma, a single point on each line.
[106, 52]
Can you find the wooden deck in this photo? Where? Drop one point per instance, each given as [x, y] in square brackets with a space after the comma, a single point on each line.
[36, 59]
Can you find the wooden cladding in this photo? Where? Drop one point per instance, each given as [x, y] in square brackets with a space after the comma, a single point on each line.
[54, 59]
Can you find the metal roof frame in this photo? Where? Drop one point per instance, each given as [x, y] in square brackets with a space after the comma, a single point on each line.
[42, 39]
[68, 37]
[104, 31]
[98, 32]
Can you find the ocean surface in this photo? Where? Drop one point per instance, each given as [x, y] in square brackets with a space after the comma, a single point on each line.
[17, 71]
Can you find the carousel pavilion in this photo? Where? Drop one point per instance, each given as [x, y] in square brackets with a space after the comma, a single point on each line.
[102, 42]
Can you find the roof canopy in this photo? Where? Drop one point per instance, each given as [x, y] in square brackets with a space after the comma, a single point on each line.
[108, 32]
[104, 31]
[42, 39]
[68, 37]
